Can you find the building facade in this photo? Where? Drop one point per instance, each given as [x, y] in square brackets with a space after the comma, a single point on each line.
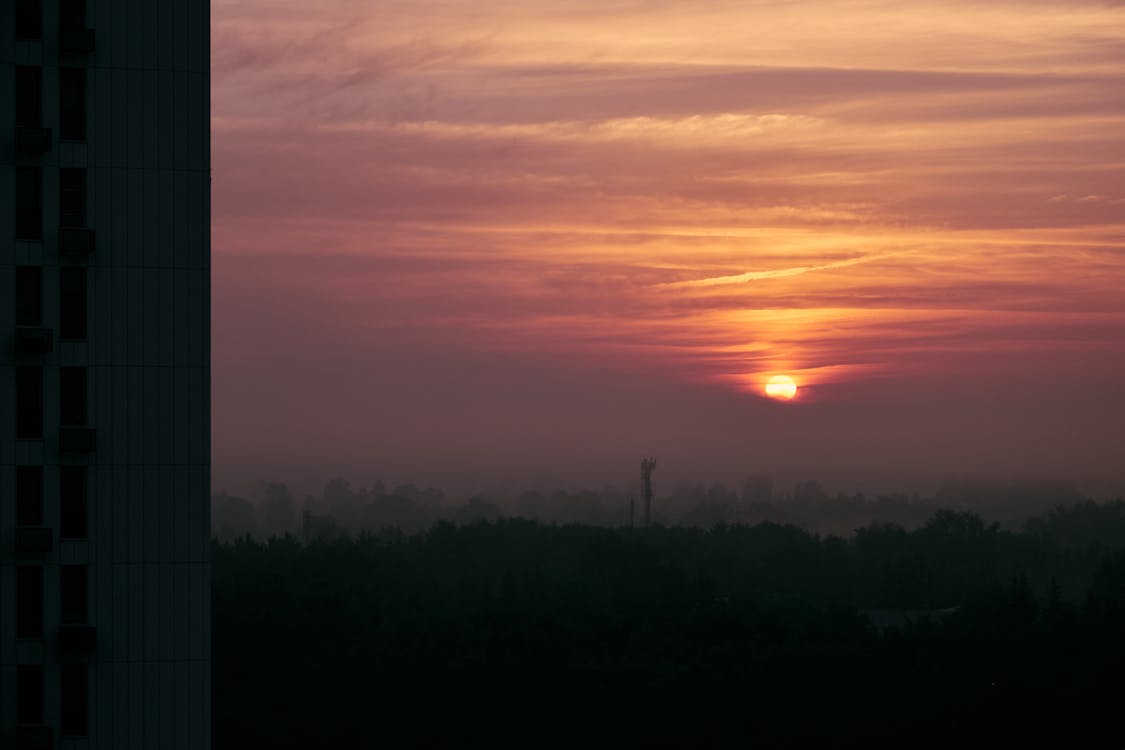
[104, 374]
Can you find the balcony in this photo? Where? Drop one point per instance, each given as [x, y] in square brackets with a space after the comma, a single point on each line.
[76, 42]
[31, 141]
[33, 340]
[33, 541]
[34, 737]
[77, 639]
[77, 439]
[76, 240]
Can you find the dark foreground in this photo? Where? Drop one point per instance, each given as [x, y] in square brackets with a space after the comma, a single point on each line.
[521, 634]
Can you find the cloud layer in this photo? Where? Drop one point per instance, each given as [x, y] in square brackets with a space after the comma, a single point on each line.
[889, 201]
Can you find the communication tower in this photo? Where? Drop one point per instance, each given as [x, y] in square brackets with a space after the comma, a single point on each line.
[647, 466]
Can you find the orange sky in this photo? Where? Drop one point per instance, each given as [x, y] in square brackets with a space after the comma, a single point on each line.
[910, 204]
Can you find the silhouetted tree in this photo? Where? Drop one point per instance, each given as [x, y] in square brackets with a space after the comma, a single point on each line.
[524, 623]
[277, 514]
[232, 517]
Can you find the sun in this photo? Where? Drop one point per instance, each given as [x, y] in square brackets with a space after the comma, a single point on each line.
[781, 387]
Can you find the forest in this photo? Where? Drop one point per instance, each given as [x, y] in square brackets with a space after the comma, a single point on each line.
[521, 632]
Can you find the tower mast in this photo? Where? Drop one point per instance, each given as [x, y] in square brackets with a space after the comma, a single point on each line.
[647, 466]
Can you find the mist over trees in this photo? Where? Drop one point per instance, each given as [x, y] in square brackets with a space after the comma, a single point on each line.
[342, 509]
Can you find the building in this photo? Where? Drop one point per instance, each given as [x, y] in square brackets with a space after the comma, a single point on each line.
[104, 374]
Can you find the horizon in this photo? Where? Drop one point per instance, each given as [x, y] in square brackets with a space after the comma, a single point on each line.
[782, 489]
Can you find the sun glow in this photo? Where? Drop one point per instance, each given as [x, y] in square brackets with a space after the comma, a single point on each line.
[781, 387]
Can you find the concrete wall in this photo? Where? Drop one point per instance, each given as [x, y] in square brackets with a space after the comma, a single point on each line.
[148, 357]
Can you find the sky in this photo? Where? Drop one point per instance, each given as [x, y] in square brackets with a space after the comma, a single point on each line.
[482, 244]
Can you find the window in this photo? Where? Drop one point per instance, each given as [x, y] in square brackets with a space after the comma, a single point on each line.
[72, 104]
[72, 303]
[29, 402]
[72, 396]
[29, 19]
[72, 14]
[29, 495]
[72, 594]
[72, 197]
[29, 694]
[29, 295]
[72, 502]
[73, 699]
[29, 203]
[29, 96]
[29, 601]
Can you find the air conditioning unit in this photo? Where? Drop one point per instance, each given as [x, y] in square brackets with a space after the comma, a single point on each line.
[33, 340]
[77, 439]
[33, 140]
[33, 541]
[76, 240]
[74, 639]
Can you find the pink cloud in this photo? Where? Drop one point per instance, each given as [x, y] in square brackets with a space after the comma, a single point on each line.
[477, 190]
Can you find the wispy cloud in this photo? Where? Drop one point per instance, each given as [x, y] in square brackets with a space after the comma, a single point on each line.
[726, 189]
[777, 273]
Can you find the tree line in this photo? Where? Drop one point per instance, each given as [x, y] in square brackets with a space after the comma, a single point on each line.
[340, 508]
[521, 632]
